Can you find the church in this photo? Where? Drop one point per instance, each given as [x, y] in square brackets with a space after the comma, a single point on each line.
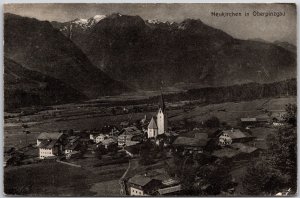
[159, 124]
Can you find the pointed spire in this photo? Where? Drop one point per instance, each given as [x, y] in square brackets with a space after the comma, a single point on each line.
[162, 102]
[152, 124]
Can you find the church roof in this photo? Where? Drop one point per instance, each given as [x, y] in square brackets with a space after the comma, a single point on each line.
[49, 136]
[152, 124]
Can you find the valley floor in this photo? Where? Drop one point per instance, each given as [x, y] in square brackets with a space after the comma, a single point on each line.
[62, 180]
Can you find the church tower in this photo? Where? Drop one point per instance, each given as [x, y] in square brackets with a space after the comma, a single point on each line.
[162, 120]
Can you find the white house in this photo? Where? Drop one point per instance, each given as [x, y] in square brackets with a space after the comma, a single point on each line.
[228, 137]
[49, 144]
[100, 138]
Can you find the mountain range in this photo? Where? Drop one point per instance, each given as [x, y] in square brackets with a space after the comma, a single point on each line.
[112, 54]
[142, 53]
[24, 87]
[37, 46]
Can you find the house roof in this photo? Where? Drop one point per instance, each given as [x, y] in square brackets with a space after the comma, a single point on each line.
[243, 148]
[226, 152]
[71, 146]
[186, 141]
[152, 124]
[133, 130]
[248, 119]
[195, 134]
[109, 141]
[47, 144]
[140, 180]
[49, 136]
[158, 174]
[236, 134]
[168, 190]
[131, 143]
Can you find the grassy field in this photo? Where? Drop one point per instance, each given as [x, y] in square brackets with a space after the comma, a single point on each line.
[55, 179]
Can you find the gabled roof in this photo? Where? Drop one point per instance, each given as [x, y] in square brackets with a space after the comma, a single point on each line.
[49, 136]
[195, 134]
[132, 130]
[71, 146]
[226, 152]
[108, 141]
[139, 180]
[47, 144]
[248, 119]
[186, 141]
[236, 134]
[152, 124]
[243, 147]
[168, 190]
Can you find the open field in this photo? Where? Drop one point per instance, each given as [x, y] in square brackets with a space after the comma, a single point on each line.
[55, 179]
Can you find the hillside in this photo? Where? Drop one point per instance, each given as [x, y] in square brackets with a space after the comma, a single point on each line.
[37, 46]
[23, 87]
[144, 53]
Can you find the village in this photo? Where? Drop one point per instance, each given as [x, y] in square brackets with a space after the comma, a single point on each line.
[151, 147]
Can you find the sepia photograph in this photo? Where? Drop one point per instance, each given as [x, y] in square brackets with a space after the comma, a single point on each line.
[157, 99]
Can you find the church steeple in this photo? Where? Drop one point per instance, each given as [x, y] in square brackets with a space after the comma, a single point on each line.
[162, 120]
[161, 104]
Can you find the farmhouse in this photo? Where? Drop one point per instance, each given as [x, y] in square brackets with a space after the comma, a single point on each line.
[72, 145]
[191, 145]
[228, 137]
[247, 122]
[50, 144]
[109, 142]
[130, 136]
[154, 182]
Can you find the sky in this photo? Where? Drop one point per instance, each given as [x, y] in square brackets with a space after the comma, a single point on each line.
[270, 28]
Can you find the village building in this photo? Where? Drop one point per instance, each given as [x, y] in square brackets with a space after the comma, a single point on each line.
[130, 136]
[246, 150]
[190, 145]
[99, 135]
[109, 142]
[253, 122]
[154, 182]
[191, 142]
[228, 137]
[141, 185]
[226, 153]
[73, 144]
[50, 144]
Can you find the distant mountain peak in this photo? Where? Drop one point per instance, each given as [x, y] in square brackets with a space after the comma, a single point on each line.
[95, 19]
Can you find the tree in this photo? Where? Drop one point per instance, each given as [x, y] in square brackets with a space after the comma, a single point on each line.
[262, 179]
[277, 167]
[291, 114]
[147, 154]
[212, 122]
[99, 151]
